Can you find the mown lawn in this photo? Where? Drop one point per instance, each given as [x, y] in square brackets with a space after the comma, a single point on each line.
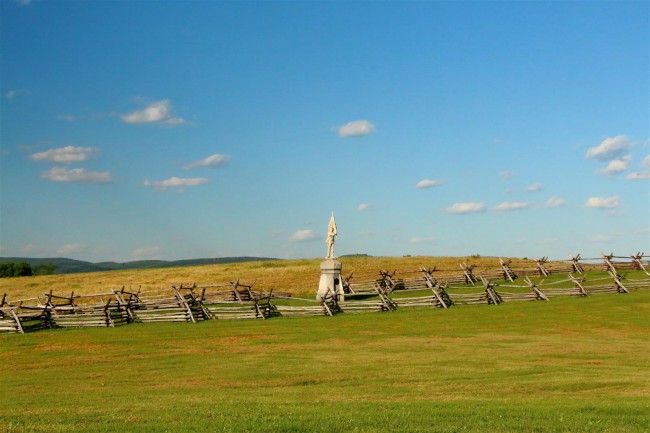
[569, 365]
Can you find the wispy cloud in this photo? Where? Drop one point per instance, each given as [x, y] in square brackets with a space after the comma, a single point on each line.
[534, 187]
[212, 161]
[363, 207]
[511, 206]
[66, 117]
[466, 208]
[639, 175]
[642, 174]
[177, 183]
[642, 231]
[506, 174]
[554, 202]
[303, 236]
[80, 175]
[156, 112]
[610, 148]
[357, 128]
[146, 253]
[602, 238]
[421, 240]
[429, 183]
[11, 94]
[603, 202]
[66, 155]
[34, 250]
[70, 248]
[616, 166]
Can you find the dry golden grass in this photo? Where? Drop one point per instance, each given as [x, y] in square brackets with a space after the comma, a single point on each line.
[299, 277]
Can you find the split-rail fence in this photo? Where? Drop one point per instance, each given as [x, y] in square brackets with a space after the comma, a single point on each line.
[381, 292]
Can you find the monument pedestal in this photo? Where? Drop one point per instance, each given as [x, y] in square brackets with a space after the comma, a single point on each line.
[330, 280]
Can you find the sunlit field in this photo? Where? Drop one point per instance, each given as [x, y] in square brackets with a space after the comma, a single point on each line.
[299, 277]
[569, 365]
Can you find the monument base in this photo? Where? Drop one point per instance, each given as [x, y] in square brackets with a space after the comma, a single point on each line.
[331, 282]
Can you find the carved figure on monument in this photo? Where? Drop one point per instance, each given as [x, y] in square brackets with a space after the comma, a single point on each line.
[331, 234]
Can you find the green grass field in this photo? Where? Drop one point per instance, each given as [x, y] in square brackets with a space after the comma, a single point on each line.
[569, 365]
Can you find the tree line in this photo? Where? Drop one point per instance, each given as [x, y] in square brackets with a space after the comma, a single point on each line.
[24, 269]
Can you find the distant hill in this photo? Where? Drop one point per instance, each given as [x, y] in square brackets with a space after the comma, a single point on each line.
[70, 266]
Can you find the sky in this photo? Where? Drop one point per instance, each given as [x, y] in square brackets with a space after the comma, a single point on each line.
[135, 130]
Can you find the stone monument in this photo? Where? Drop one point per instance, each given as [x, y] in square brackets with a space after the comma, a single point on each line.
[331, 282]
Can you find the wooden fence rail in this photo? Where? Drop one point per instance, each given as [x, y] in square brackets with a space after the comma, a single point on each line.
[384, 291]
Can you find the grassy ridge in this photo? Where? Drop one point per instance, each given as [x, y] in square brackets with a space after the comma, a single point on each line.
[70, 266]
[570, 365]
[295, 276]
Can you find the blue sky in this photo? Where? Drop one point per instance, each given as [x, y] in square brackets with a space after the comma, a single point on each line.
[174, 130]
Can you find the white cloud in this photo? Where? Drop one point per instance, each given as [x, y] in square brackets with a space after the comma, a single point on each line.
[506, 174]
[465, 208]
[81, 175]
[555, 202]
[610, 148]
[66, 155]
[357, 128]
[534, 187]
[215, 160]
[602, 238]
[421, 240]
[642, 174]
[156, 112]
[603, 202]
[363, 207]
[31, 249]
[16, 92]
[510, 206]
[66, 117]
[175, 182]
[70, 248]
[616, 166]
[639, 175]
[146, 253]
[428, 183]
[303, 236]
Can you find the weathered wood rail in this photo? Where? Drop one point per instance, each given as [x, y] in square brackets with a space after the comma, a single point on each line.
[162, 305]
[9, 321]
[234, 300]
[33, 314]
[291, 306]
[88, 310]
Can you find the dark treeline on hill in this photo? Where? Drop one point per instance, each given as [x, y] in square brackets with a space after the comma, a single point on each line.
[60, 265]
[15, 269]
